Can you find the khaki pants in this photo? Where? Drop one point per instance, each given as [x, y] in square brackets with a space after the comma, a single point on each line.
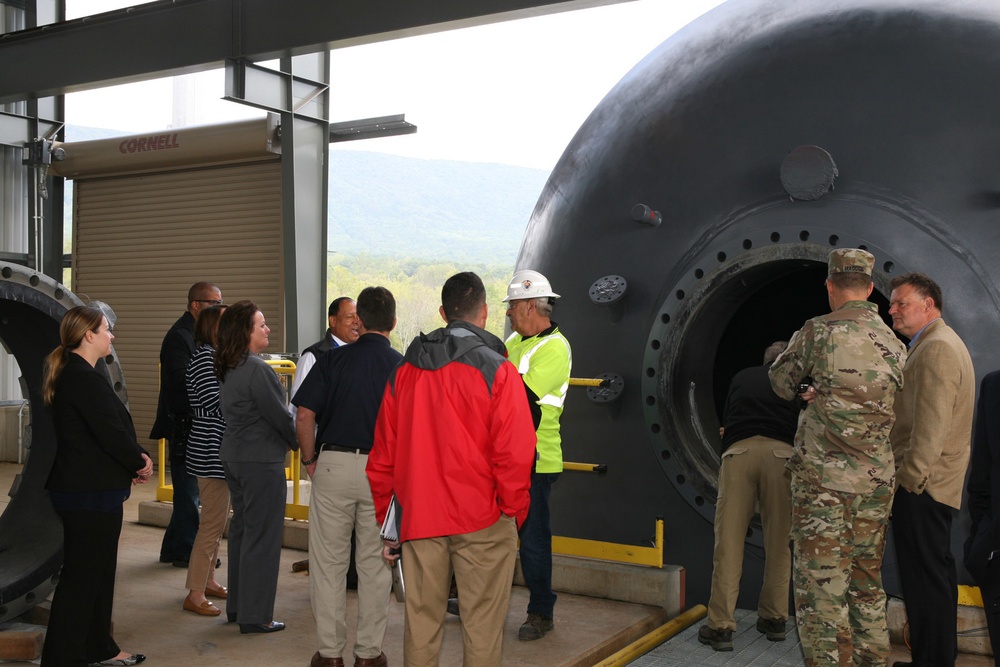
[483, 563]
[341, 502]
[753, 473]
[214, 495]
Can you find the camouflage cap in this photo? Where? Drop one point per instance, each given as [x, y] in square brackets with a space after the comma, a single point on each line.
[851, 260]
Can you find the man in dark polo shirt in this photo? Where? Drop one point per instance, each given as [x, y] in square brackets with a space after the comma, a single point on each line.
[338, 404]
[757, 434]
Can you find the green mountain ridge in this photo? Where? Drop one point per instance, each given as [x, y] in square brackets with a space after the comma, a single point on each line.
[432, 209]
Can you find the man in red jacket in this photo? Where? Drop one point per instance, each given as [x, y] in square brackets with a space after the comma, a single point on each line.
[455, 443]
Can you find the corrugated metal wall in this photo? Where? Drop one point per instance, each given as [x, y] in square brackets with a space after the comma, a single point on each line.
[139, 243]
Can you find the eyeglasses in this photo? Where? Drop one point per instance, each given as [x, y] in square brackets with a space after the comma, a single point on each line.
[214, 302]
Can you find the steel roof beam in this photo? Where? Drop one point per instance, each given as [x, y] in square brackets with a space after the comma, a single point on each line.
[169, 37]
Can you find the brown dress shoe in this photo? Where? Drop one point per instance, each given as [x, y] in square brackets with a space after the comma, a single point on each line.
[320, 661]
[221, 593]
[206, 608]
[380, 661]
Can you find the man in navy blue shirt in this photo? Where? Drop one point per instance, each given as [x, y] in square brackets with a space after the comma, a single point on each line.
[338, 404]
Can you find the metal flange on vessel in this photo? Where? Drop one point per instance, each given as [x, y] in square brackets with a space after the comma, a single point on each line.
[705, 193]
[31, 307]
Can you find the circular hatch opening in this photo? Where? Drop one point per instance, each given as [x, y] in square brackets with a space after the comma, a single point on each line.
[722, 325]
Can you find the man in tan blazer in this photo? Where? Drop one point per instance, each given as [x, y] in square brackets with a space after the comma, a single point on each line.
[931, 445]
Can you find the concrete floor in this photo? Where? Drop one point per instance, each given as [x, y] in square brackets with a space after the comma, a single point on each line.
[148, 616]
[149, 619]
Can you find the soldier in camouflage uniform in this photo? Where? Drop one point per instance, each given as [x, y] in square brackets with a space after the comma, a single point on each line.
[842, 467]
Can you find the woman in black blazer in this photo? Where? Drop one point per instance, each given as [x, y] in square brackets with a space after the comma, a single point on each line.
[97, 460]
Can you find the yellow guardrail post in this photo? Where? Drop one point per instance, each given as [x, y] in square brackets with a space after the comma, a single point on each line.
[296, 476]
[164, 493]
[285, 368]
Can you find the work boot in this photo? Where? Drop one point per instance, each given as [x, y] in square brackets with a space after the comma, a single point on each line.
[774, 628]
[719, 640]
[535, 627]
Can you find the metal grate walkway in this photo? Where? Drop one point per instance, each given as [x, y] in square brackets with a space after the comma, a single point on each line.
[750, 648]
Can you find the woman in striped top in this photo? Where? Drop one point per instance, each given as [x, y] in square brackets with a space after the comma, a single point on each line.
[207, 429]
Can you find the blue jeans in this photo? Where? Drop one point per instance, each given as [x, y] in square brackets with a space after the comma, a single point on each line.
[183, 527]
[536, 546]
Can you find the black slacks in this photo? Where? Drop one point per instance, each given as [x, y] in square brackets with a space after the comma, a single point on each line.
[79, 631]
[921, 528]
[991, 603]
[258, 496]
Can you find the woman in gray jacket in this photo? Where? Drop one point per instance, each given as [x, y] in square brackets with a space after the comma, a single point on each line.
[259, 433]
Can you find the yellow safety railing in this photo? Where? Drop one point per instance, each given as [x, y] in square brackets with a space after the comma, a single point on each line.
[568, 546]
[285, 370]
[587, 382]
[586, 467]
[621, 553]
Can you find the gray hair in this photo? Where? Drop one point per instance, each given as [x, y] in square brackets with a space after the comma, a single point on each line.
[543, 305]
[773, 350]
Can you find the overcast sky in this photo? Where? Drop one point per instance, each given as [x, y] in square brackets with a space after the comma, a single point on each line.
[512, 93]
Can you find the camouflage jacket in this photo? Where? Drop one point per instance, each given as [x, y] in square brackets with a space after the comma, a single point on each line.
[856, 365]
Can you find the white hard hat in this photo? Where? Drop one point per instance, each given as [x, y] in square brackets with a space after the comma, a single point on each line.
[529, 284]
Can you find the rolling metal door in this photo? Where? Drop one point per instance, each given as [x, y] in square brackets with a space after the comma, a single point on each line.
[139, 243]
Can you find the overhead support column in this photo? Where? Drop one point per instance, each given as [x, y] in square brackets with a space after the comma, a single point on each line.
[305, 130]
[300, 93]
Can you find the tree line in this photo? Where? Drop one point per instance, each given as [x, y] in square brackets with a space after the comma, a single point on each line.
[416, 285]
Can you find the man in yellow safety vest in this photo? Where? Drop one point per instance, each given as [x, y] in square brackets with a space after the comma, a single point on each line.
[543, 357]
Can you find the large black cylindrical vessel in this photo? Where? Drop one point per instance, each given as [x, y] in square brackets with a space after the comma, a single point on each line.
[765, 134]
